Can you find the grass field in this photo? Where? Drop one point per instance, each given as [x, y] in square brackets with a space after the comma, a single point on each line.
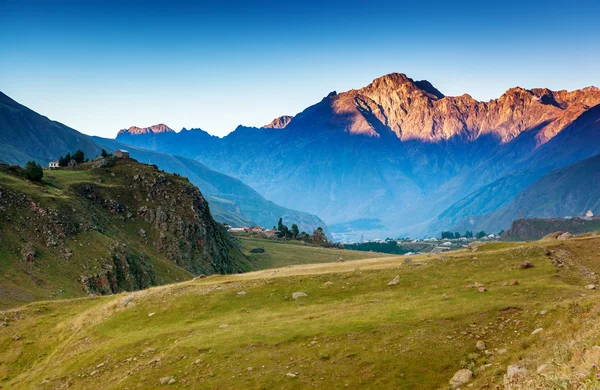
[283, 253]
[352, 330]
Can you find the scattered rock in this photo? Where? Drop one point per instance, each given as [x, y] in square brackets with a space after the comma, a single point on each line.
[28, 252]
[151, 314]
[514, 372]
[481, 289]
[461, 377]
[564, 236]
[394, 281]
[141, 233]
[477, 284]
[223, 326]
[201, 276]
[526, 264]
[328, 283]
[514, 283]
[340, 260]
[544, 312]
[147, 350]
[299, 294]
[538, 330]
[100, 164]
[291, 375]
[127, 300]
[591, 286]
[408, 260]
[167, 380]
[480, 345]
[544, 368]
[502, 351]
[242, 292]
[16, 337]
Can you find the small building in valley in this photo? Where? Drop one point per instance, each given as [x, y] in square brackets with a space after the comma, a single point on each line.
[122, 153]
[53, 164]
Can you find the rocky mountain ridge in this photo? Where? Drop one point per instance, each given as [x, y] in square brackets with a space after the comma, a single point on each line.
[401, 152]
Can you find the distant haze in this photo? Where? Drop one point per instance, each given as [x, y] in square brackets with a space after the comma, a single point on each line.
[101, 66]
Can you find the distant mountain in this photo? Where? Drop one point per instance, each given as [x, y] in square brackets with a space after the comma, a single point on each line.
[156, 129]
[401, 152]
[26, 135]
[565, 192]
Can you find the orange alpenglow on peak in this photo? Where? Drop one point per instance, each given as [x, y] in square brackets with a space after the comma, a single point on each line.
[156, 129]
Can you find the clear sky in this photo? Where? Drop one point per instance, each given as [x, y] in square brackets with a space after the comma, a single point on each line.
[99, 66]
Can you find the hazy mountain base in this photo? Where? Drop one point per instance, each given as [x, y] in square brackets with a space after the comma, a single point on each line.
[351, 330]
[231, 201]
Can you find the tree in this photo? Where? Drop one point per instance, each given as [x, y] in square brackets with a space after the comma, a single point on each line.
[501, 232]
[295, 230]
[78, 156]
[280, 224]
[105, 154]
[456, 235]
[480, 234]
[65, 160]
[33, 171]
[447, 234]
[469, 234]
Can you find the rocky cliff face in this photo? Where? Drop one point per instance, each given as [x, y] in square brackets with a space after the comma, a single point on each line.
[109, 229]
[279, 123]
[415, 110]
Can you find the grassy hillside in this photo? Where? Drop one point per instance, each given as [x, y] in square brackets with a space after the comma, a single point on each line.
[352, 330]
[104, 230]
[285, 253]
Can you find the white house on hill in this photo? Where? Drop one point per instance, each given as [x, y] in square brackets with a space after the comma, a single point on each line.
[53, 164]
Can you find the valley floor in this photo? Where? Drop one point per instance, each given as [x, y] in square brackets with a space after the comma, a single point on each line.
[351, 330]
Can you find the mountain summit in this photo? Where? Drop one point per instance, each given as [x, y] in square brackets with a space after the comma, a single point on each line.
[156, 129]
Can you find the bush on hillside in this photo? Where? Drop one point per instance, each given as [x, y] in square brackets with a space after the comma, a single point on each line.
[33, 171]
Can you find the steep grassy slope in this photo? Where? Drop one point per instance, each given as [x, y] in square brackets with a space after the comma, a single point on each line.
[104, 230]
[26, 135]
[352, 330]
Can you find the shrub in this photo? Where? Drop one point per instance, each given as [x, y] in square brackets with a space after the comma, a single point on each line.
[33, 171]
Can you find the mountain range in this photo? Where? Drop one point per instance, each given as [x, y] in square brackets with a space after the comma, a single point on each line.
[26, 135]
[400, 154]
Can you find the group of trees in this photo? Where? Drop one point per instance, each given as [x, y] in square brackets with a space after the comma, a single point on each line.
[468, 234]
[389, 246]
[317, 236]
[78, 157]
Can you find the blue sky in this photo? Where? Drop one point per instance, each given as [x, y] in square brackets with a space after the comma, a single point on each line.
[99, 66]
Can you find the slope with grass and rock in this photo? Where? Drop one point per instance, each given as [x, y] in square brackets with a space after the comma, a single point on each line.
[102, 227]
[471, 318]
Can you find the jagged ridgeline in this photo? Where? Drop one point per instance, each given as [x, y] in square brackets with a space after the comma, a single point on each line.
[106, 226]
